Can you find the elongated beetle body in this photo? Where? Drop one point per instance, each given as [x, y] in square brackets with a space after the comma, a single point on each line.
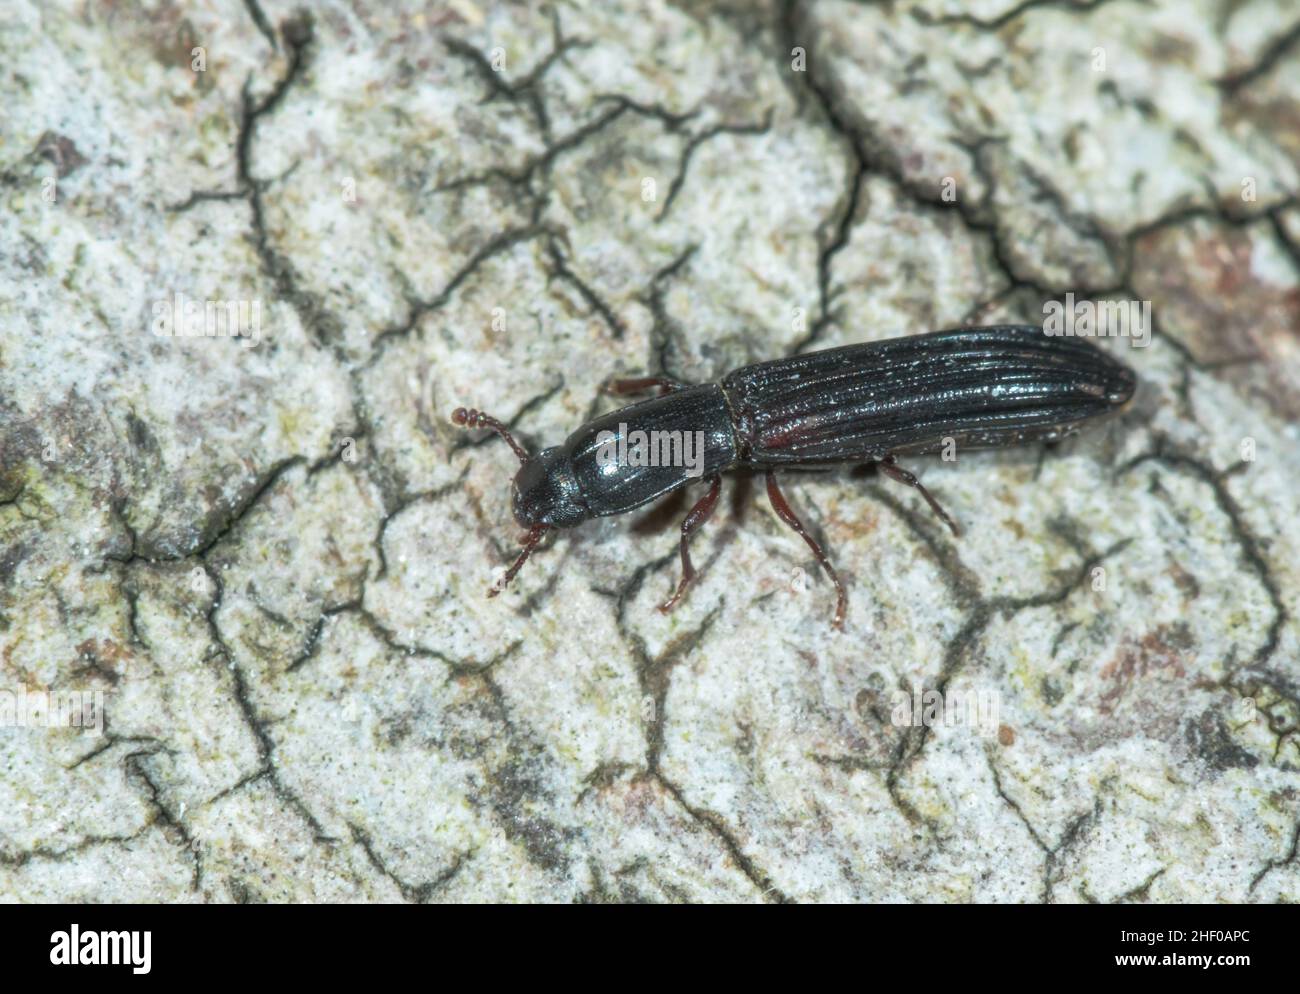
[969, 387]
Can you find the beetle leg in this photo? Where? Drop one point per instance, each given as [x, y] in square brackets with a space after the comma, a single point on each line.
[782, 509]
[533, 537]
[896, 472]
[698, 514]
[640, 384]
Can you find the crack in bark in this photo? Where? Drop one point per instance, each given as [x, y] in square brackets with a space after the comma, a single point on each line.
[527, 89]
[133, 763]
[1243, 680]
[653, 676]
[960, 646]
[299, 35]
[561, 270]
[666, 329]
[416, 893]
[692, 146]
[1069, 837]
[17, 860]
[1245, 539]
[263, 25]
[1277, 863]
[419, 309]
[1014, 13]
[265, 743]
[717, 827]
[1273, 53]
[160, 815]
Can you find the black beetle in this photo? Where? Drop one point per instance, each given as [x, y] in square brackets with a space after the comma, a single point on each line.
[968, 387]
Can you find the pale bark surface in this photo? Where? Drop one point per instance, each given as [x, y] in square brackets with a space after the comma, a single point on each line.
[272, 559]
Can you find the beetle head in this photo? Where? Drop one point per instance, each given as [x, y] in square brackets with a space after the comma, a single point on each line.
[545, 494]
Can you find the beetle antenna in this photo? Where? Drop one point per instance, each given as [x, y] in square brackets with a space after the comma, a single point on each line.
[477, 419]
[530, 543]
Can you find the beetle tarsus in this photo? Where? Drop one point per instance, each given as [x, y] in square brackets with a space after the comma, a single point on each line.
[896, 472]
[783, 511]
[696, 517]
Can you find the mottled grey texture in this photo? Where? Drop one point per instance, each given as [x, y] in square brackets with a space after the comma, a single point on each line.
[272, 559]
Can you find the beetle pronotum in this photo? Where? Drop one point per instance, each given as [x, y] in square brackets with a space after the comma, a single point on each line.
[978, 387]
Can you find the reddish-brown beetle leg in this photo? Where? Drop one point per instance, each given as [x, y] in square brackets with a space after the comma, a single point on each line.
[640, 384]
[530, 543]
[782, 508]
[699, 514]
[896, 472]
